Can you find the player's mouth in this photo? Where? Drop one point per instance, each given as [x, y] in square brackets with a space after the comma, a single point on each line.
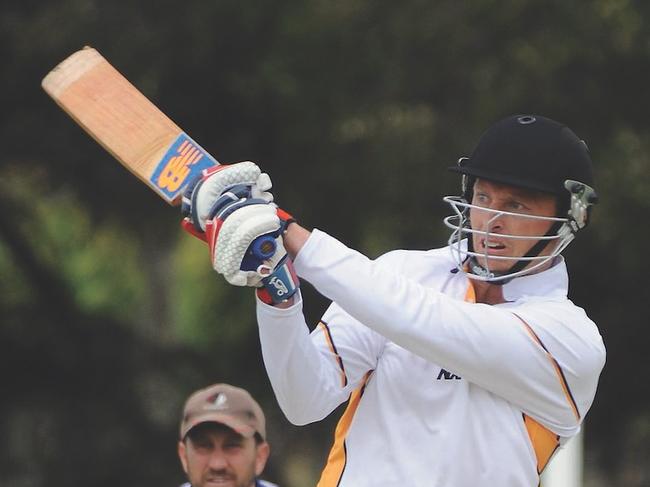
[220, 480]
[491, 246]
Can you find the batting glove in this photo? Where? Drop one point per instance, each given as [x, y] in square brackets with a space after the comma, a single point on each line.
[204, 194]
[231, 209]
[245, 240]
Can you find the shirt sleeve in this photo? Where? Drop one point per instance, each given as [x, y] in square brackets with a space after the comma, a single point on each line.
[494, 347]
[311, 374]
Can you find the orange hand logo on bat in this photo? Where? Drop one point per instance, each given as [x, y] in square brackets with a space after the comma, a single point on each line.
[178, 168]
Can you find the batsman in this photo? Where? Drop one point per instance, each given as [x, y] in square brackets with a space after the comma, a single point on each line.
[462, 366]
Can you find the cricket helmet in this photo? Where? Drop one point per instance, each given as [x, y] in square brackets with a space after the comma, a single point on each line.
[531, 152]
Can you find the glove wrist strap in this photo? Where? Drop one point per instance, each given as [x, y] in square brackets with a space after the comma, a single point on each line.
[281, 284]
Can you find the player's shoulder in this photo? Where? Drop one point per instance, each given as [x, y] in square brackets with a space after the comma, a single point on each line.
[562, 325]
[558, 306]
[562, 318]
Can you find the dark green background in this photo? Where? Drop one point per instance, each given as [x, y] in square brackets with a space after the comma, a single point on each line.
[110, 315]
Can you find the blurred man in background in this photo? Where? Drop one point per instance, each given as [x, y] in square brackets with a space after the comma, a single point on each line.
[223, 439]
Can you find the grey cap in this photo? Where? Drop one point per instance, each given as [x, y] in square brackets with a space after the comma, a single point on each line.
[224, 404]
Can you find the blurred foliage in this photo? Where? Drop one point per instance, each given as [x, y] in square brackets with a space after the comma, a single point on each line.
[111, 316]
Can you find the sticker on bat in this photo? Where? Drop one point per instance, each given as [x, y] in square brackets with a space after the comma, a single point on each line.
[183, 161]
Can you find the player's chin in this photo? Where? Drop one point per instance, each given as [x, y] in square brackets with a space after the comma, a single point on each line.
[495, 265]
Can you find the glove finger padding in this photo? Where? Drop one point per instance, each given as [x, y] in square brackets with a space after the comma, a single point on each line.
[234, 237]
[212, 186]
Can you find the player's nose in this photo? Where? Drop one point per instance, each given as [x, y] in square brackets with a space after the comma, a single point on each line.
[218, 460]
[488, 220]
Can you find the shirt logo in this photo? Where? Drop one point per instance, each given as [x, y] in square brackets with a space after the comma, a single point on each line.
[446, 375]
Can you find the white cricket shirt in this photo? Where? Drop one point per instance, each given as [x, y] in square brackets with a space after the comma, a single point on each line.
[441, 392]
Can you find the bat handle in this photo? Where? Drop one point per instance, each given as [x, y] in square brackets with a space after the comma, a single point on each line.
[263, 247]
[259, 251]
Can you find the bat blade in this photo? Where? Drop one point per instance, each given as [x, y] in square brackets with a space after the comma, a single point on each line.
[129, 126]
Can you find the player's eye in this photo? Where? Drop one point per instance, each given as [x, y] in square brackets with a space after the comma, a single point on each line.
[515, 205]
[481, 199]
[232, 445]
[203, 446]
[202, 443]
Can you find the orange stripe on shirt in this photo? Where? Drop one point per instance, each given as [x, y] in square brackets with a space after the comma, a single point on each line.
[470, 294]
[337, 458]
[556, 366]
[544, 442]
[339, 360]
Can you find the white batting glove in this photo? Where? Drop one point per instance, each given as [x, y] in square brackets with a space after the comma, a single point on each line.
[231, 238]
[236, 236]
[201, 197]
[231, 209]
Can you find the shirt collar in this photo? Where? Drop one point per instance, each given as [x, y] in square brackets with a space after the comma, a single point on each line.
[553, 282]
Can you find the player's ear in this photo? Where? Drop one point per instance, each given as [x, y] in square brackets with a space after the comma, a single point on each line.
[263, 450]
[182, 454]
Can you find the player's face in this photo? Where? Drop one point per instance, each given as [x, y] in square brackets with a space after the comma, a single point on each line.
[214, 455]
[503, 197]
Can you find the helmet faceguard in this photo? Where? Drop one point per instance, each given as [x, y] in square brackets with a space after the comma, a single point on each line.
[529, 152]
[562, 231]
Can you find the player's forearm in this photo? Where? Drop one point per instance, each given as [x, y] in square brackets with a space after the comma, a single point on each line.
[294, 239]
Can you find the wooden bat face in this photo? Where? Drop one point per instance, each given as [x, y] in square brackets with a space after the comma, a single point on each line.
[120, 118]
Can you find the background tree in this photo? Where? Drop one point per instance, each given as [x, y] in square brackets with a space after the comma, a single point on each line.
[110, 315]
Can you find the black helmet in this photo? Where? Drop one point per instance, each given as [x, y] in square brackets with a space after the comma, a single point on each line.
[532, 152]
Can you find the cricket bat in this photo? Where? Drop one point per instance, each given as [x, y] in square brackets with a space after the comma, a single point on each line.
[129, 126]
